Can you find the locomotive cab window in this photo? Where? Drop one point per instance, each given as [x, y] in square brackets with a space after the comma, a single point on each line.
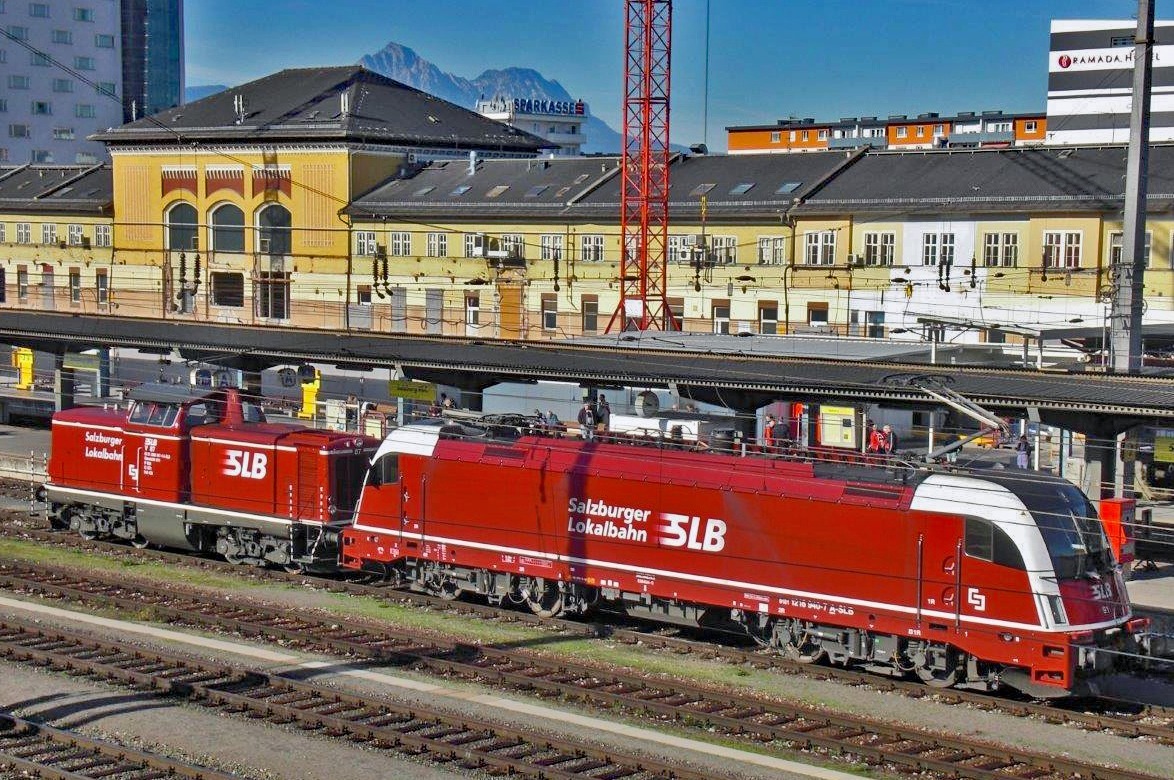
[385, 471]
[154, 413]
[988, 542]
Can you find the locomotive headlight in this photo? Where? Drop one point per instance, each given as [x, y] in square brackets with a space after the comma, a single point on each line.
[1056, 606]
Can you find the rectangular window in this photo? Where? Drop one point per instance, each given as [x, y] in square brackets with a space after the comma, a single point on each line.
[363, 295]
[3, 104]
[24, 233]
[102, 286]
[63, 36]
[817, 315]
[81, 14]
[677, 250]
[771, 250]
[775, 137]
[1029, 126]
[880, 248]
[820, 248]
[22, 283]
[938, 129]
[62, 133]
[75, 286]
[39, 10]
[724, 249]
[48, 233]
[438, 244]
[999, 127]
[1062, 249]
[876, 324]
[920, 131]
[39, 59]
[721, 317]
[18, 33]
[1117, 241]
[102, 235]
[401, 244]
[18, 131]
[806, 134]
[83, 63]
[83, 111]
[42, 108]
[272, 295]
[108, 88]
[677, 309]
[768, 318]
[41, 156]
[475, 244]
[902, 132]
[590, 309]
[937, 248]
[16, 81]
[1000, 250]
[551, 246]
[3, 233]
[228, 289]
[823, 135]
[62, 85]
[549, 311]
[74, 232]
[364, 242]
[592, 248]
[472, 310]
[513, 245]
[104, 41]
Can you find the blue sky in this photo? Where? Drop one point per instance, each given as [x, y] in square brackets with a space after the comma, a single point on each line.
[768, 59]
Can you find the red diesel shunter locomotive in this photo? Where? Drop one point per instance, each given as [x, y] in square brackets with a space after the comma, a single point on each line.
[197, 469]
[980, 578]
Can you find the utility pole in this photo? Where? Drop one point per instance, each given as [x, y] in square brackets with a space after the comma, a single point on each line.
[1128, 273]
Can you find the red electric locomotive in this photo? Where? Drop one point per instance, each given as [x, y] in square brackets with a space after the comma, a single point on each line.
[975, 579]
[197, 469]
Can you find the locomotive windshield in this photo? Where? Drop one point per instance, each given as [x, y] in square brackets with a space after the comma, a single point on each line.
[1069, 526]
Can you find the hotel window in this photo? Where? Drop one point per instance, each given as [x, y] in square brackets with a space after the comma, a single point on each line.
[592, 248]
[74, 233]
[18, 131]
[1030, 126]
[272, 295]
[472, 309]
[438, 244]
[24, 233]
[108, 88]
[42, 108]
[62, 85]
[365, 242]
[228, 289]
[590, 309]
[902, 132]
[83, 63]
[549, 311]
[48, 233]
[18, 33]
[83, 111]
[401, 244]
[103, 41]
[776, 137]
[75, 286]
[63, 36]
[63, 133]
[102, 235]
[1062, 249]
[22, 283]
[880, 248]
[768, 318]
[721, 317]
[39, 59]
[83, 14]
[937, 248]
[820, 248]
[1117, 241]
[772, 250]
[18, 82]
[102, 286]
[1000, 249]
[39, 10]
[724, 249]
[552, 246]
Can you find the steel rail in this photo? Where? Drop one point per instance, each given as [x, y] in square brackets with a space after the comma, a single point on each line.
[687, 704]
[42, 751]
[459, 740]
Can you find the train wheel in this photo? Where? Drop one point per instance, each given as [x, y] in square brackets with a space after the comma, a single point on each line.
[139, 542]
[938, 666]
[544, 597]
[798, 644]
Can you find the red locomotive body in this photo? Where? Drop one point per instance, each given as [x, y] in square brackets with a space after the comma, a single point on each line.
[963, 579]
[195, 469]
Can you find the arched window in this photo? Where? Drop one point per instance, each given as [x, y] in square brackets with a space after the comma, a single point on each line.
[228, 229]
[273, 223]
[182, 228]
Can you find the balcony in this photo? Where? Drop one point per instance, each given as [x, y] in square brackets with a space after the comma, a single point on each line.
[854, 143]
[980, 138]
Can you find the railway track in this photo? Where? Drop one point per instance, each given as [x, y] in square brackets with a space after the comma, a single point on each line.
[562, 678]
[468, 744]
[29, 749]
[1124, 718]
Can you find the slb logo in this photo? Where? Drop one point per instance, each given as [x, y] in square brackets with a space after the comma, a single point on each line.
[250, 465]
[1102, 591]
[976, 599]
[686, 531]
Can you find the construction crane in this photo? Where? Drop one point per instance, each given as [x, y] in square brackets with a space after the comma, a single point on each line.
[644, 198]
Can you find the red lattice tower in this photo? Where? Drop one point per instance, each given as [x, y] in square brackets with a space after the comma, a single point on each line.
[644, 201]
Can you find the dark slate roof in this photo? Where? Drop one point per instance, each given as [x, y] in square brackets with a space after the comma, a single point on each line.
[533, 189]
[56, 189]
[778, 181]
[992, 180]
[304, 104]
